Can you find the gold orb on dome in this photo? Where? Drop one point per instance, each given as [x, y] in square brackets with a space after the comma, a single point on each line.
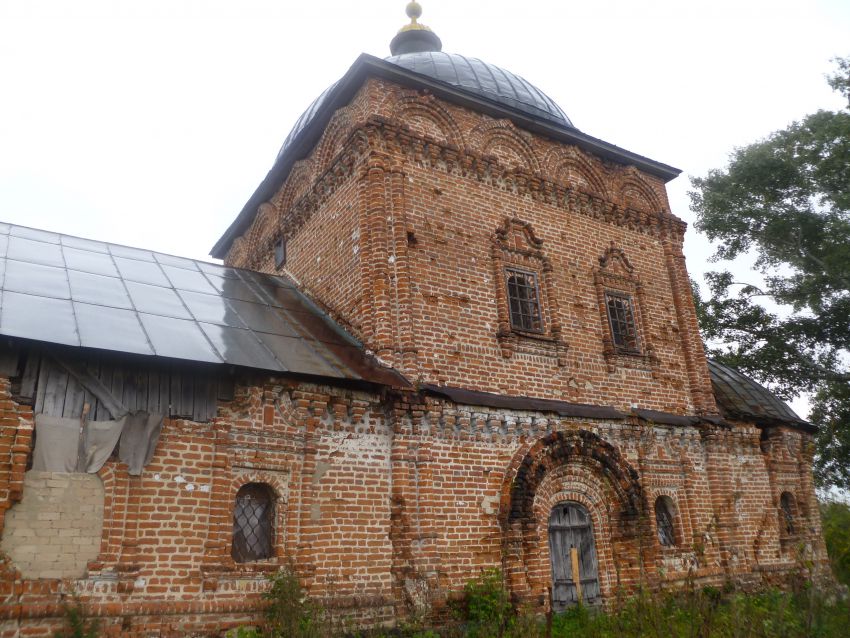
[413, 10]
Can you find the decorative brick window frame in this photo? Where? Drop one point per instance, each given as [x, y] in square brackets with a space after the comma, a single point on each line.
[616, 276]
[218, 560]
[789, 514]
[515, 247]
[672, 509]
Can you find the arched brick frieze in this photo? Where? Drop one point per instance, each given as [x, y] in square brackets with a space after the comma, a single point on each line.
[578, 466]
[297, 183]
[335, 133]
[424, 115]
[258, 236]
[570, 167]
[501, 139]
[635, 193]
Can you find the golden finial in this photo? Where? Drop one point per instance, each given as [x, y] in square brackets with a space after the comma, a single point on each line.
[415, 37]
[414, 12]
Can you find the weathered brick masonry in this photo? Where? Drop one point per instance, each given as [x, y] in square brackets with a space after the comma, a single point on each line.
[402, 219]
[388, 505]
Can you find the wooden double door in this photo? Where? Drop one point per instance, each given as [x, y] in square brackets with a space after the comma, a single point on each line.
[570, 527]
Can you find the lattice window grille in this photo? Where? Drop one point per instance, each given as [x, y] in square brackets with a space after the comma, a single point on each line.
[664, 523]
[622, 321]
[524, 300]
[786, 503]
[253, 518]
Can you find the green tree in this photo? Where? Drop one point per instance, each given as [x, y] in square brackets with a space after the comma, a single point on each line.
[786, 200]
[836, 533]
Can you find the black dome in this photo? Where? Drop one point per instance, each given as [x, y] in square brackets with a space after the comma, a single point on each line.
[484, 80]
[469, 74]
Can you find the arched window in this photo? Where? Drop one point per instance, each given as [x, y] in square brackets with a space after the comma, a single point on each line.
[789, 512]
[253, 523]
[664, 521]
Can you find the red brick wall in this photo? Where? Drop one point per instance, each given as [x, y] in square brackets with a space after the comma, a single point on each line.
[387, 506]
[396, 238]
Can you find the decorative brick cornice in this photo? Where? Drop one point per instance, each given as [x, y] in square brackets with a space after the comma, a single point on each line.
[383, 135]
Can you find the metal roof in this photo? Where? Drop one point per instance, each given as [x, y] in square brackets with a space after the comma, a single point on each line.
[469, 74]
[485, 80]
[490, 400]
[740, 396]
[78, 292]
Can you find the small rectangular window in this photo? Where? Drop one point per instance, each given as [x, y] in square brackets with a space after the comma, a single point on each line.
[280, 253]
[622, 320]
[524, 301]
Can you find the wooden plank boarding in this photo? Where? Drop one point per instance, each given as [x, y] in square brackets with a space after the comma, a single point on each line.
[576, 572]
[30, 376]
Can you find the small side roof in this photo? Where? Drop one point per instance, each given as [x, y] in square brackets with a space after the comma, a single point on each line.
[78, 292]
[739, 396]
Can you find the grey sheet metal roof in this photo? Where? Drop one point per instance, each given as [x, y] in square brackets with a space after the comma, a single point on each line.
[490, 400]
[468, 74]
[67, 290]
[485, 80]
[739, 396]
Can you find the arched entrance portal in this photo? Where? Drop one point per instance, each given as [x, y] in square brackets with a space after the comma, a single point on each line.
[570, 528]
[574, 485]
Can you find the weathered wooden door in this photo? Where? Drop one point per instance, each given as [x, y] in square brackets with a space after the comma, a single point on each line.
[570, 526]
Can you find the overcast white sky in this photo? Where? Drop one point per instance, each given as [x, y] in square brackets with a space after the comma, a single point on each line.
[150, 123]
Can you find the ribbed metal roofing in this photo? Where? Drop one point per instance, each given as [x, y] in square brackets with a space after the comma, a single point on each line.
[468, 74]
[78, 292]
[484, 80]
[740, 396]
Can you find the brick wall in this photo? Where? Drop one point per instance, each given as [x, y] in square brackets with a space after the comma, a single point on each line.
[392, 224]
[387, 505]
[56, 527]
[401, 222]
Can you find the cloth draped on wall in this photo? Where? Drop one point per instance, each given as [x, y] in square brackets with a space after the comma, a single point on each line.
[72, 445]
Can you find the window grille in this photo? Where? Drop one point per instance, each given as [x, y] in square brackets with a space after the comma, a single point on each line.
[664, 522]
[280, 253]
[253, 517]
[786, 503]
[524, 301]
[622, 320]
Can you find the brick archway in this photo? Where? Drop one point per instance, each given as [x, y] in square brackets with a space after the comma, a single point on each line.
[580, 466]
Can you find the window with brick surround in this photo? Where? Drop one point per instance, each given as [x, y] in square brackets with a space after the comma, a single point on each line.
[789, 513]
[665, 521]
[524, 300]
[621, 320]
[625, 337]
[280, 253]
[528, 318]
[253, 523]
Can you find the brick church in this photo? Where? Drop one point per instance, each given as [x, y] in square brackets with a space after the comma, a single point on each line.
[452, 332]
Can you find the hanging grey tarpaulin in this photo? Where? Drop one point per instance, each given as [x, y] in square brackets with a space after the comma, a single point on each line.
[79, 445]
[139, 439]
[72, 445]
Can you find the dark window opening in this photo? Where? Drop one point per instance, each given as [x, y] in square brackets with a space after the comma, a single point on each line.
[280, 253]
[253, 523]
[622, 320]
[664, 521]
[524, 301]
[788, 507]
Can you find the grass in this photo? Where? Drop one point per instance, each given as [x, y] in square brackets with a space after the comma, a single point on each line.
[485, 611]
